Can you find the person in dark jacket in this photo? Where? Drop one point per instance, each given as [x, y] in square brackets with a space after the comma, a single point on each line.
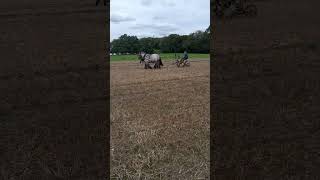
[185, 55]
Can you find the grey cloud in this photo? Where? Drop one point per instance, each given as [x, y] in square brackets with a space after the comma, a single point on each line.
[164, 34]
[158, 18]
[156, 27]
[146, 2]
[168, 3]
[116, 18]
[143, 36]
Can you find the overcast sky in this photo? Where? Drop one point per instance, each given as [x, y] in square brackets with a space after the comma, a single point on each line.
[158, 18]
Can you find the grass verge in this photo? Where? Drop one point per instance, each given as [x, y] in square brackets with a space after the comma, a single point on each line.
[164, 56]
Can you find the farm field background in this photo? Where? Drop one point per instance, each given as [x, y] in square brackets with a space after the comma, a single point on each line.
[160, 121]
[53, 98]
[164, 56]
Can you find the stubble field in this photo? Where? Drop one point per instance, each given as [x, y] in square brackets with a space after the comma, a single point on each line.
[160, 121]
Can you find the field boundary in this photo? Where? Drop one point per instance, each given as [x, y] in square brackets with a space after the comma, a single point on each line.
[165, 60]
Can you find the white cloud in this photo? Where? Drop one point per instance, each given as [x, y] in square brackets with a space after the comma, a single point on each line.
[168, 3]
[116, 18]
[156, 27]
[146, 2]
[158, 18]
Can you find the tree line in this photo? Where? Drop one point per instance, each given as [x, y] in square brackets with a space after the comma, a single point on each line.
[197, 42]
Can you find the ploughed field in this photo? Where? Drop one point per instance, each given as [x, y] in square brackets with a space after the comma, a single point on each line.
[160, 121]
[53, 90]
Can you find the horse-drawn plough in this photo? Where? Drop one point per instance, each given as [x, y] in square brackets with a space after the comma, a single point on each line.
[181, 62]
[153, 61]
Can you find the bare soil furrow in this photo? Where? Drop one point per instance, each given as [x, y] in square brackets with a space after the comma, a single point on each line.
[160, 121]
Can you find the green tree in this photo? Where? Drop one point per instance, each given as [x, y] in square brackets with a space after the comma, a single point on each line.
[149, 45]
[197, 42]
[125, 44]
[171, 43]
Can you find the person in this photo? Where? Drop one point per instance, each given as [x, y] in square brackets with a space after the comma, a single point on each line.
[185, 56]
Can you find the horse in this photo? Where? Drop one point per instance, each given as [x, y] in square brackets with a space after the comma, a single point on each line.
[150, 59]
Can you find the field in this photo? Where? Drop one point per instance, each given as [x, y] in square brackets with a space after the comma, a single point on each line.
[164, 56]
[160, 121]
[264, 119]
[53, 98]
